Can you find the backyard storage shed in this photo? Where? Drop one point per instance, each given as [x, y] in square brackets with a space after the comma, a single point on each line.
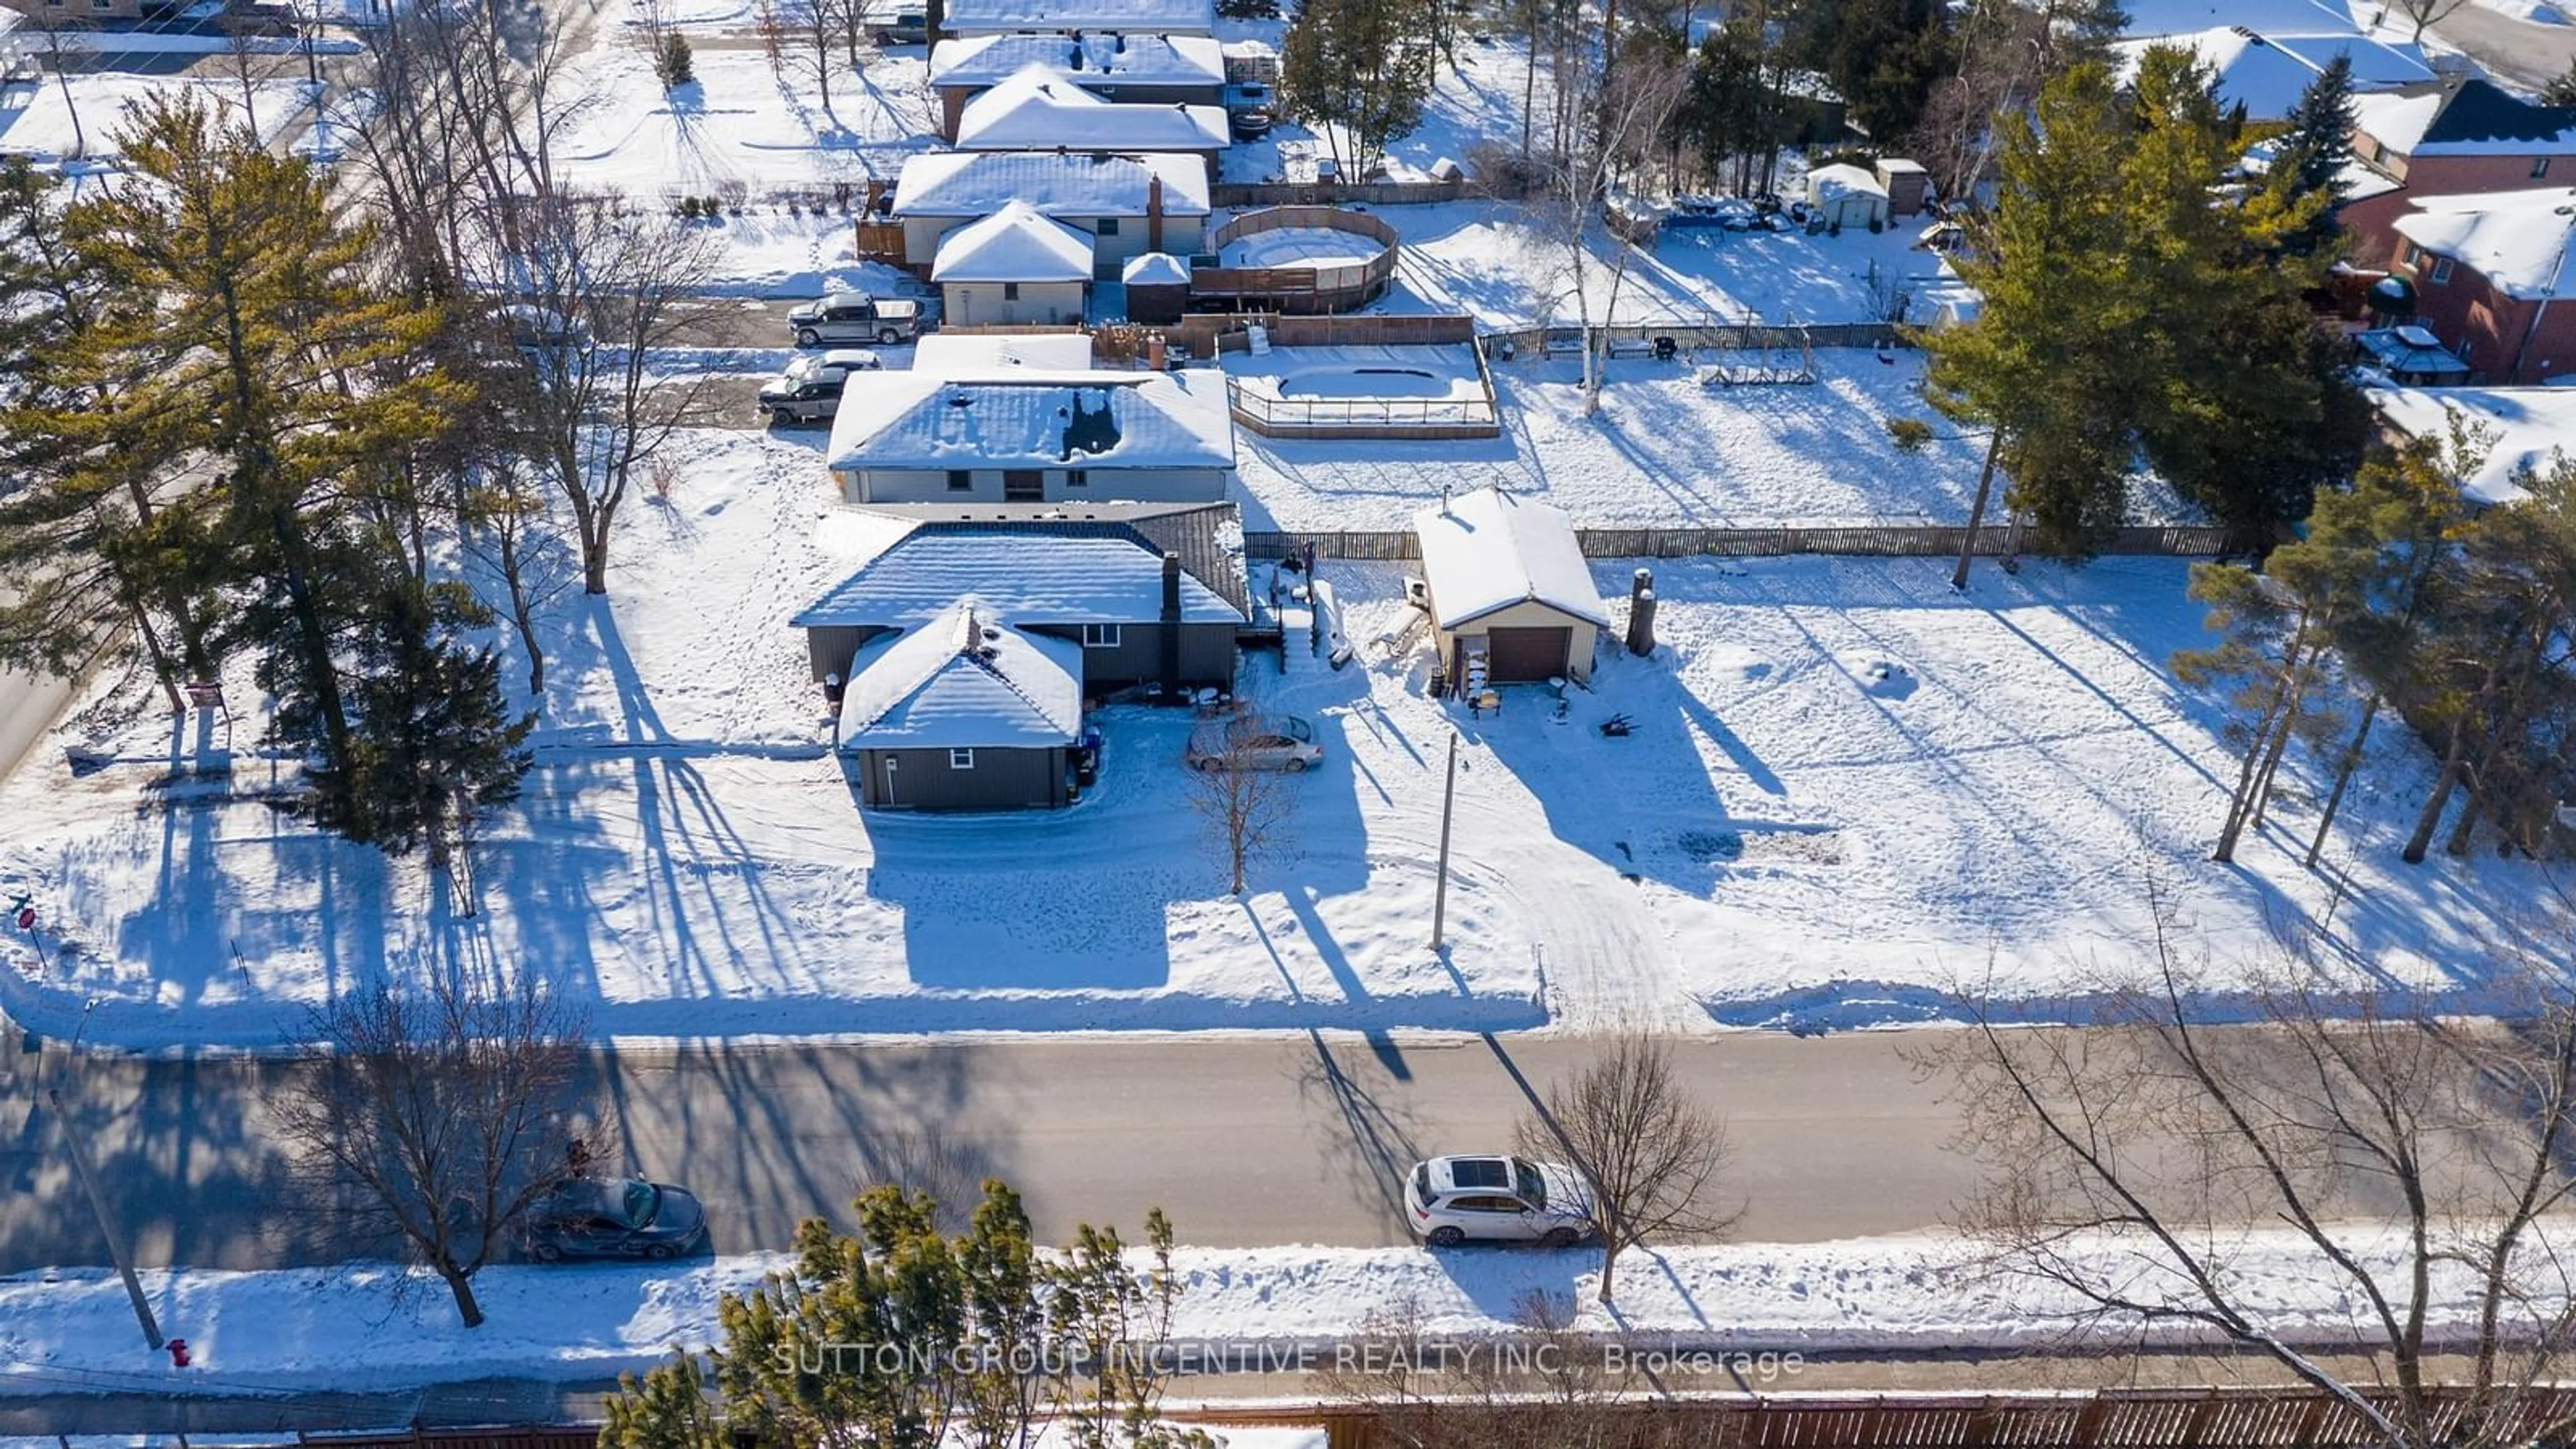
[1158, 288]
[1014, 266]
[962, 712]
[1847, 196]
[1906, 183]
[1511, 598]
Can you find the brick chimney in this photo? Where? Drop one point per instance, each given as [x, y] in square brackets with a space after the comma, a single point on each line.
[1153, 213]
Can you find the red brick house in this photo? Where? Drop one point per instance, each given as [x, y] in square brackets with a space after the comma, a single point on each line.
[2493, 279]
[2455, 136]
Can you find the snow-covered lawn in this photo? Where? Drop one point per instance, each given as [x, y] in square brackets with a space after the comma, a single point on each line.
[1504, 265]
[737, 124]
[36, 120]
[288, 1329]
[689, 858]
[1662, 450]
[1848, 790]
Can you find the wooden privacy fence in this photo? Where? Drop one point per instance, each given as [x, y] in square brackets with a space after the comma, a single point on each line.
[2206, 1418]
[1208, 333]
[1231, 194]
[1872, 539]
[1309, 288]
[1713, 336]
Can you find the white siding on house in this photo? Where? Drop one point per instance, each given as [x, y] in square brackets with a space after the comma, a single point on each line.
[991, 303]
[1100, 485]
[1182, 235]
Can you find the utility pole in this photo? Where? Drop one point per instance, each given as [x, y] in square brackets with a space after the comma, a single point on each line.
[1448, 807]
[87, 1171]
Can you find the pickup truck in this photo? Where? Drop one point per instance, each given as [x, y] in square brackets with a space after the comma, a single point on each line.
[853, 317]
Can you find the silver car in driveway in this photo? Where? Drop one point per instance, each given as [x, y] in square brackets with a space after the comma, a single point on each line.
[1254, 742]
[1497, 1198]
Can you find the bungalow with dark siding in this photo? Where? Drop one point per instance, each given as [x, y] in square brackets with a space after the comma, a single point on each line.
[1112, 596]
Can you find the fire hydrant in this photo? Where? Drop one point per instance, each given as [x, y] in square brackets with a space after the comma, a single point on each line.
[178, 1353]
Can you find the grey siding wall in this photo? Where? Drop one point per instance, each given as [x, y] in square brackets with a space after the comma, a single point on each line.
[1181, 234]
[829, 649]
[1000, 780]
[1207, 656]
[988, 303]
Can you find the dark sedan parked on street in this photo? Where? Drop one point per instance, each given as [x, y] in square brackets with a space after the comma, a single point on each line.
[616, 1217]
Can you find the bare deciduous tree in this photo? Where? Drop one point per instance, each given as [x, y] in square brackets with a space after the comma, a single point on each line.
[1247, 806]
[1649, 1152]
[2426, 14]
[2416, 1162]
[1582, 177]
[436, 1119]
[602, 285]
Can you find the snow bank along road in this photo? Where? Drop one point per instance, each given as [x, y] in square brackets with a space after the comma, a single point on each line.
[1245, 1142]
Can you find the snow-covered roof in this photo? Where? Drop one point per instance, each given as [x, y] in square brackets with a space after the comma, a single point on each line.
[1029, 573]
[1155, 269]
[962, 680]
[2271, 17]
[2463, 116]
[1039, 109]
[1014, 244]
[2518, 240]
[1831, 183]
[2411, 350]
[2266, 73]
[1086, 60]
[967, 354]
[1158, 17]
[1079, 185]
[2533, 425]
[1488, 550]
[1035, 418]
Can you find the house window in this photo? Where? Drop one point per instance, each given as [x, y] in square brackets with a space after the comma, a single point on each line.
[961, 480]
[1077, 477]
[961, 759]
[1108, 226]
[1099, 636]
[2409, 255]
[2441, 269]
[2539, 167]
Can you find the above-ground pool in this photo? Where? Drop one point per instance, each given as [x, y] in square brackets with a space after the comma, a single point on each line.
[1372, 382]
[1300, 246]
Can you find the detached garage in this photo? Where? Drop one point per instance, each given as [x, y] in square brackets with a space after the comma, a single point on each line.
[1512, 601]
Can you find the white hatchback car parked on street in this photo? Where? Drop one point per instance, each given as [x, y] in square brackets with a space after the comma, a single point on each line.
[1449, 1200]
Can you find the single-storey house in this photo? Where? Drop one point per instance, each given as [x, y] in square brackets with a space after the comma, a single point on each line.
[1511, 598]
[961, 712]
[972, 639]
[1847, 196]
[1025, 418]
[1039, 109]
[1130, 69]
[1014, 266]
[1076, 17]
[1128, 205]
[2495, 279]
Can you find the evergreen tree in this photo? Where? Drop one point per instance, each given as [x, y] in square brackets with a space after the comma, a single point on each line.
[432, 744]
[1360, 68]
[2051, 362]
[2561, 90]
[1883, 56]
[900, 1338]
[2308, 159]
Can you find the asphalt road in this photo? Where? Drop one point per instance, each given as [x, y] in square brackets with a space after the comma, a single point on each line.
[1244, 1141]
[27, 708]
[2517, 49]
